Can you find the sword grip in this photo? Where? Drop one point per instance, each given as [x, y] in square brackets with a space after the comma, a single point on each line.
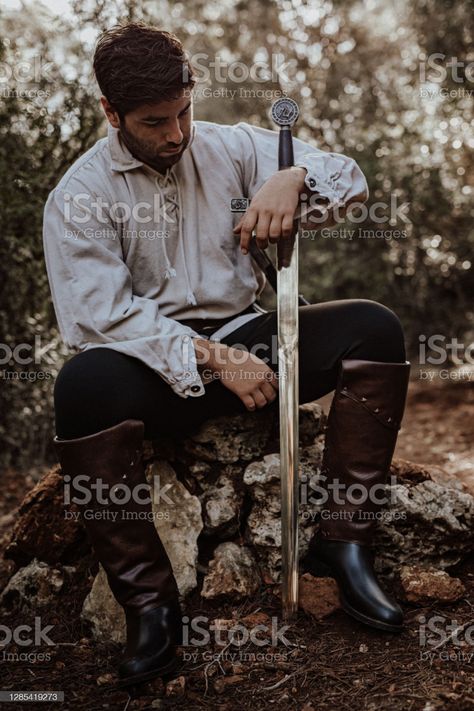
[285, 148]
[285, 160]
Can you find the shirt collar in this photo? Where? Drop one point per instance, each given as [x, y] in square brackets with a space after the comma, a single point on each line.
[120, 157]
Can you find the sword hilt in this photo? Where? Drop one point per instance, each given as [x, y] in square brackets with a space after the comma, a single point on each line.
[285, 113]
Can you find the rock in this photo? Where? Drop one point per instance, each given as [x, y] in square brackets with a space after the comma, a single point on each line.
[228, 439]
[424, 524]
[311, 422]
[221, 505]
[424, 586]
[105, 679]
[179, 524]
[263, 530]
[409, 473]
[102, 611]
[46, 527]
[224, 482]
[33, 587]
[318, 596]
[7, 569]
[233, 571]
[176, 688]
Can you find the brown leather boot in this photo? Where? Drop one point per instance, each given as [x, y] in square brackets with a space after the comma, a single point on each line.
[362, 430]
[126, 543]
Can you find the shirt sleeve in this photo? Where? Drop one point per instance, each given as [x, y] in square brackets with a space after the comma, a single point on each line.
[333, 177]
[95, 306]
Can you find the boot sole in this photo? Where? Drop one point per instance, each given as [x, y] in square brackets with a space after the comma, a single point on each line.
[321, 569]
[149, 675]
[360, 617]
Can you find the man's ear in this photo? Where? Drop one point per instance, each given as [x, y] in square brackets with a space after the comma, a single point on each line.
[112, 115]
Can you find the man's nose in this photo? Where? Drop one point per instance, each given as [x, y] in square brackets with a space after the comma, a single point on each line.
[174, 134]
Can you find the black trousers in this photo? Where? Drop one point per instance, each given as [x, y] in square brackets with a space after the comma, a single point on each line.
[99, 388]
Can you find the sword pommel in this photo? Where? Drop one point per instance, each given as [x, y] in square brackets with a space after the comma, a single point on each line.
[285, 112]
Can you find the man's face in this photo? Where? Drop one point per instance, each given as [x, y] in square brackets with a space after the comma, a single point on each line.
[156, 134]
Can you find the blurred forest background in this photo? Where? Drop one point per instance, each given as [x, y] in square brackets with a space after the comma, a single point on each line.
[373, 80]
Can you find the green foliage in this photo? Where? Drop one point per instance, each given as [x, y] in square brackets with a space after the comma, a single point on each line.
[358, 74]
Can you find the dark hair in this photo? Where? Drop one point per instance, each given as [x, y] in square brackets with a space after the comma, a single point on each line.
[138, 64]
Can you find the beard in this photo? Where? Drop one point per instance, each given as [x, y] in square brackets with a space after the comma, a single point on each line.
[146, 151]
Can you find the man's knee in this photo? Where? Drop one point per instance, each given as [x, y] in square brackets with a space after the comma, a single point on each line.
[381, 328]
[85, 392]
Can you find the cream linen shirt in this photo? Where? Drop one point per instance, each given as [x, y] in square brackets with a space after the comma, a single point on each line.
[129, 251]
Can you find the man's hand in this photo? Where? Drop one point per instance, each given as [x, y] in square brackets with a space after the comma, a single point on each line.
[272, 210]
[242, 372]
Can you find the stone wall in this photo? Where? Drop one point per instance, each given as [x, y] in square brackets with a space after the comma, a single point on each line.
[220, 518]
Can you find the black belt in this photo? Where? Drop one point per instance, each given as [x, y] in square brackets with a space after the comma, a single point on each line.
[207, 326]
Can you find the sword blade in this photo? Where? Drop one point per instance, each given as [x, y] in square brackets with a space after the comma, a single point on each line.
[287, 313]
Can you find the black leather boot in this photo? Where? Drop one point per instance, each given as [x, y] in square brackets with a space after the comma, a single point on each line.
[361, 434]
[152, 639]
[127, 545]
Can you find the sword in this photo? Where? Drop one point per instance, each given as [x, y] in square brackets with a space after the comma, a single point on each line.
[284, 281]
[285, 113]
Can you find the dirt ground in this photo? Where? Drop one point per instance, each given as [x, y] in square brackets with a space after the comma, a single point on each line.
[333, 664]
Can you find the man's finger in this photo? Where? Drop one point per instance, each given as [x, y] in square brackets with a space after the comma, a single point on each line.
[269, 392]
[238, 226]
[246, 231]
[272, 379]
[275, 230]
[249, 402]
[259, 397]
[263, 225]
[287, 226]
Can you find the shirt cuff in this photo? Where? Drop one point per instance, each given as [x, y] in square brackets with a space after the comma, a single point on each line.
[328, 175]
[188, 383]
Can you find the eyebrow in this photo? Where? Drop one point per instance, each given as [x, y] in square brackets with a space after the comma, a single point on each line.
[163, 118]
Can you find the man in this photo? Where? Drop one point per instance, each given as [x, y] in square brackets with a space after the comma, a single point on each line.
[152, 281]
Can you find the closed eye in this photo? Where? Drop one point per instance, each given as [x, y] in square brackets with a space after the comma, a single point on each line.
[161, 121]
